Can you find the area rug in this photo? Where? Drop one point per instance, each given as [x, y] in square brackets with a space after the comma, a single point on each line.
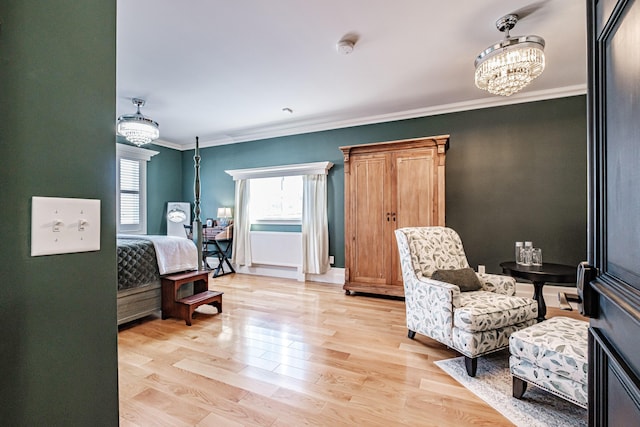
[492, 384]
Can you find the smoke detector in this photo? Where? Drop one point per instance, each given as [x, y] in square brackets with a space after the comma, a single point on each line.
[345, 47]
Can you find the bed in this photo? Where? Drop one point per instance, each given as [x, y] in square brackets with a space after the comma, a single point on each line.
[142, 260]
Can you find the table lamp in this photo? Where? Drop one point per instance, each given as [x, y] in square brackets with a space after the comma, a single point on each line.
[224, 214]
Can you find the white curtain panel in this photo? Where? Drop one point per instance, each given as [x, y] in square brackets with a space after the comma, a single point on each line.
[315, 225]
[241, 253]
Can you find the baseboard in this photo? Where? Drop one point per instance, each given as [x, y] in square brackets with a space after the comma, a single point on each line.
[334, 275]
[549, 292]
[272, 271]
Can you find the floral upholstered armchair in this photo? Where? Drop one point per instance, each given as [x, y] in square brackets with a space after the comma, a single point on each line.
[476, 321]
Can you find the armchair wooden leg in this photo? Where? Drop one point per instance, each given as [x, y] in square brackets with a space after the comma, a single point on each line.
[519, 387]
[471, 363]
[411, 334]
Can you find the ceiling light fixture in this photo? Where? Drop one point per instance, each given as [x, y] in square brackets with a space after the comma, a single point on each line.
[137, 128]
[511, 64]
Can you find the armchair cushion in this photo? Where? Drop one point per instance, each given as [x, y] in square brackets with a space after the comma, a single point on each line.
[484, 311]
[465, 278]
[497, 283]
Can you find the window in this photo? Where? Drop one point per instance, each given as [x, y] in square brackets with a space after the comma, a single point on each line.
[276, 191]
[129, 192]
[276, 199]
[131, 200]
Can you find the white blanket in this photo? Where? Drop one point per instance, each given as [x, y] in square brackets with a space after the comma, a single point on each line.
[173, 253]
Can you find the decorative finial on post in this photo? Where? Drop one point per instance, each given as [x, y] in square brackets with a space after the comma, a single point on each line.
[198, 221]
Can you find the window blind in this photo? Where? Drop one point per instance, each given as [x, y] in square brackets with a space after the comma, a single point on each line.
[129, 192]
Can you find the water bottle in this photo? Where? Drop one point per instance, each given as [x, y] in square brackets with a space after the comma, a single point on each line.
[527, 253]
[536, 256]
[518, 252]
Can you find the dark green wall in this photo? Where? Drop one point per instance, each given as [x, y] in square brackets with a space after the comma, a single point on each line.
[516, 172]
[58, 312]
[164, 184]
[524, 179]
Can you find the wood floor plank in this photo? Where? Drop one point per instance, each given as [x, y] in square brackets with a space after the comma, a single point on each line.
[184, 413]
[212, 396]
[289, 353]
[192, 387]
[337, 393]
[216, 420]
[229, 377]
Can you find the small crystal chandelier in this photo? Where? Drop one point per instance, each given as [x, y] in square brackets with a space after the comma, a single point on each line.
[137, 128]
[511, 64]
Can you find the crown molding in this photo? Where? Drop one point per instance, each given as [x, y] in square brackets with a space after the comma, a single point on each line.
[167, 144]
[267, 132]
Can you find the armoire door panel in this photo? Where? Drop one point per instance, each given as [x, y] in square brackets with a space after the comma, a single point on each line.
[370, 206]
[415, 186]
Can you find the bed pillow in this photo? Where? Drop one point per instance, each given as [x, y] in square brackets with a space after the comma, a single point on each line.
[465, 278]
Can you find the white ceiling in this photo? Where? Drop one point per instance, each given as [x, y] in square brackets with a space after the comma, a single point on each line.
[224, 70]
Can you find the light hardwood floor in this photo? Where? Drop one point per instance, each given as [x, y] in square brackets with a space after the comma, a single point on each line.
[286, 353]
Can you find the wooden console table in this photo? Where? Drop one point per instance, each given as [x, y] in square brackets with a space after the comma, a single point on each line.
[183, 308]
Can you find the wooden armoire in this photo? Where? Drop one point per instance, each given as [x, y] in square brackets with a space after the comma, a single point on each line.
[388, 185]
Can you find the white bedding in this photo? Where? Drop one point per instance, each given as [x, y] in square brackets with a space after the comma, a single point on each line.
[173, 253]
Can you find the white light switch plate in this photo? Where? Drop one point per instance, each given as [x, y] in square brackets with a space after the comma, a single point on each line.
[63, 225]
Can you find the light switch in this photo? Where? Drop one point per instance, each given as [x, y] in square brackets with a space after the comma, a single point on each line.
[64, 225]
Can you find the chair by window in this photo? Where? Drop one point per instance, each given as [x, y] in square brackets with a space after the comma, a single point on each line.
[474, 322]
[216, 244]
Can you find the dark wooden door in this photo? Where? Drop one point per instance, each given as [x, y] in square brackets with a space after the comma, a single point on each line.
[614, 211]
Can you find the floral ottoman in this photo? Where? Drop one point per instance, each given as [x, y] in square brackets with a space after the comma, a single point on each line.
[553, 356]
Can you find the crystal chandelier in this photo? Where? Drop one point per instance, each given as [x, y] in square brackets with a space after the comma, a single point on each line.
[137, 128]
[511, 64]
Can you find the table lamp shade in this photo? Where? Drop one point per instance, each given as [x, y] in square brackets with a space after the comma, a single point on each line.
[224, 213]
